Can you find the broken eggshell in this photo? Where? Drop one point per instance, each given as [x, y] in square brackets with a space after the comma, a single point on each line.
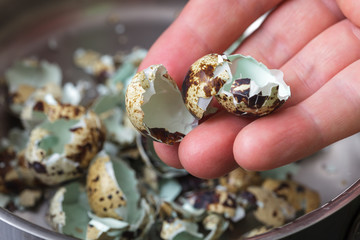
[68, 210]
[25, 76]
[254, 90]
[240, 84]
[35, 112]
[61, 150]
[204, 80]
[114, 198]
[106, 198]
[155, 107]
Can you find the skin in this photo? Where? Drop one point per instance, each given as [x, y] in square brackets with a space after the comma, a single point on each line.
[317, 46]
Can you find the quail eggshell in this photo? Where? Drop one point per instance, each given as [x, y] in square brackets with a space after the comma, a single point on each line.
[56, 216]
[50, 108]
[113, 189]
[155, 107]
[179, 229]
[93, 62]
[238, 179]
[203, 81]
[254, 90]
[68, 210]
[271, 210]
[61, 150]
[100, 230]
[216, 224]
[27, 75]
[15, 173]
[105, 228]
[105, 195]
[299, 196]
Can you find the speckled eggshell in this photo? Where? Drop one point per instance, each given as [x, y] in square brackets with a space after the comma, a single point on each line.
[255, 106]
[135, 99]
[65, 111]
[92, 232]
[238, 179]
[87, 140]
[56, 216]
[51, 173]
[271, 210]
[240, 98]
[104, 194]
[203, 81]
[299, 196]
[226, 204]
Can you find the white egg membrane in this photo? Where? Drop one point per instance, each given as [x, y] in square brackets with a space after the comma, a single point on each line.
[262, 79]
[163, 105]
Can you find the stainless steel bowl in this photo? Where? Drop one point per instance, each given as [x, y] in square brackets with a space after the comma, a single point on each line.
[53, 30]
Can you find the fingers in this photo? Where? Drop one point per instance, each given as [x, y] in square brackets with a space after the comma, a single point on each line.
[289, 29]
[206, 151]
[205, 156]
[331, 114]
[351, 9]
[321, 59]
[168, 154]
[201, 29]
[293, 133]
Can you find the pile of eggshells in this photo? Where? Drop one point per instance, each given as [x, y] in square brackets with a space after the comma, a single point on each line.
[84, 153]
[240, 84]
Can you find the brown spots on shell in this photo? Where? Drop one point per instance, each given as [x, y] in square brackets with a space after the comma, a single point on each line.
[64, 111]
[271, 210]
[239, 179]
[104, 194]
[300, 197]
[39, 106]
[255, 106]
[201, 82]
[87, 141]
[161, 134]
[134, 100]
[214, 201]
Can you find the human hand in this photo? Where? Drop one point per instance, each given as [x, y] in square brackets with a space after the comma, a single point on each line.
[312, 42]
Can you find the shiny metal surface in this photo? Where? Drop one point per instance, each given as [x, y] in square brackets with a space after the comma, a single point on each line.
[53, 30]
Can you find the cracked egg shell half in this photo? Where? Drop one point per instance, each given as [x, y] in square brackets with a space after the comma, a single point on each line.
[203, 81]
[240, 84]
[105, 196]
[61, 150]
[155, 106]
